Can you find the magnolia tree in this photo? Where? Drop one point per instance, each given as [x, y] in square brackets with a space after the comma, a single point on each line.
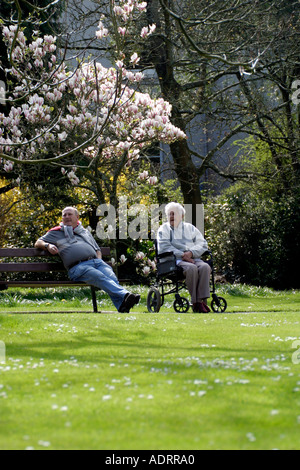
[84, 122]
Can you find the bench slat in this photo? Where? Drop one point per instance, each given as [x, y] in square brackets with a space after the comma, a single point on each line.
[21, 252]
[8, 284]
[33, 252]
[31, 267]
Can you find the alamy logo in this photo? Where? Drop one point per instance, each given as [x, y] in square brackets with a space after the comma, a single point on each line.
[2, 92]
[138, 221]
[296, 354]
[296, 94]
[2, 352]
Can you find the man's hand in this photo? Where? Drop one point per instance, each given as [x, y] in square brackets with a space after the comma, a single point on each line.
[53, 250]
[188, 257]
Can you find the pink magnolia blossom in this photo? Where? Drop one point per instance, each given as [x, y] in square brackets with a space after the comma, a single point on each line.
[135, 59]
[122, 31]
[142, 6]
[153, 180]
[63, 136]
[144, 175]
[146, 271]
[140, 256]
[91, 104]
[9, 166]
[123, 259]
[118, 10]
[147, 31]
[102, 31]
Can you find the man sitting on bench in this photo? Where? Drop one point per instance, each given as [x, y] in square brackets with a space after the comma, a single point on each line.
[82, 258]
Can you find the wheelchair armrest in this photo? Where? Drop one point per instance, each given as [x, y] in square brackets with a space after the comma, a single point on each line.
[207, 253]
[165, 255]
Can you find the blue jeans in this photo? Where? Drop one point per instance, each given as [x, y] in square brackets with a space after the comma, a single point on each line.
[99, 274]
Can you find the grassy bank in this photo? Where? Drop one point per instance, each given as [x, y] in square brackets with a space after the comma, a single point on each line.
[240, 298]
[151, 381]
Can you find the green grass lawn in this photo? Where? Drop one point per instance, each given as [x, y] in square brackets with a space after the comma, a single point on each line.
[149, 381]
[240, 298]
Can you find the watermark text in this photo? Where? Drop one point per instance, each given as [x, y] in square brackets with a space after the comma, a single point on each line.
[296, 354]
[139, 221]
[2, 352]
[296, 94]
[2, 92]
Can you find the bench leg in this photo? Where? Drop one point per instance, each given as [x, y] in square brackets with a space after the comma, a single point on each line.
[94, 298]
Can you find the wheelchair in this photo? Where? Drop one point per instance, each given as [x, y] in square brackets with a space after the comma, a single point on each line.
[170, 280]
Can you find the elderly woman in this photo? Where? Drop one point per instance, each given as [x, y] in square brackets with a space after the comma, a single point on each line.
[188, 245]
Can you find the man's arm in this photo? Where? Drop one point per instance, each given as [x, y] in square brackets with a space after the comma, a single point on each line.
[99, 254]
[41, 245]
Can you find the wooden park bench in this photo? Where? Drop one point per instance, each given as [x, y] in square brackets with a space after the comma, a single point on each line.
[52, 265]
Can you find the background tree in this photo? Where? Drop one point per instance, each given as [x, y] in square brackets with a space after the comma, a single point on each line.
[203, 54]
[83, 126]
[228, 68]
[41, 15]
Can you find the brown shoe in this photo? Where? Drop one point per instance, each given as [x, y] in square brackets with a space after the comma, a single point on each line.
[196, 307]
[204, 308]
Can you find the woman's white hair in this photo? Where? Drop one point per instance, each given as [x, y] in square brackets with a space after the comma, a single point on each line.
[176, 208]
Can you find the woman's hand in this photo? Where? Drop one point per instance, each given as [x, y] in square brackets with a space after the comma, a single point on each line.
[188, 257]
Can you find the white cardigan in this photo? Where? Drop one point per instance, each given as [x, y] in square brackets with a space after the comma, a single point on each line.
[185, 237]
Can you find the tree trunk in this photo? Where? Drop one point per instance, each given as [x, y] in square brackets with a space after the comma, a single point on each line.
[162, 57]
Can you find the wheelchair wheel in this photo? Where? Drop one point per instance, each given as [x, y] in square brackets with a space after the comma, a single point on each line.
[218, 305]
[154, 300]
[181, 305]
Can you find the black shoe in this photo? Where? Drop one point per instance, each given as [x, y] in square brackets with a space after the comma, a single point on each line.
[129, 302]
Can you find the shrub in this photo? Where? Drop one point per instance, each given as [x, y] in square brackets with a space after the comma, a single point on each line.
[255, 240]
